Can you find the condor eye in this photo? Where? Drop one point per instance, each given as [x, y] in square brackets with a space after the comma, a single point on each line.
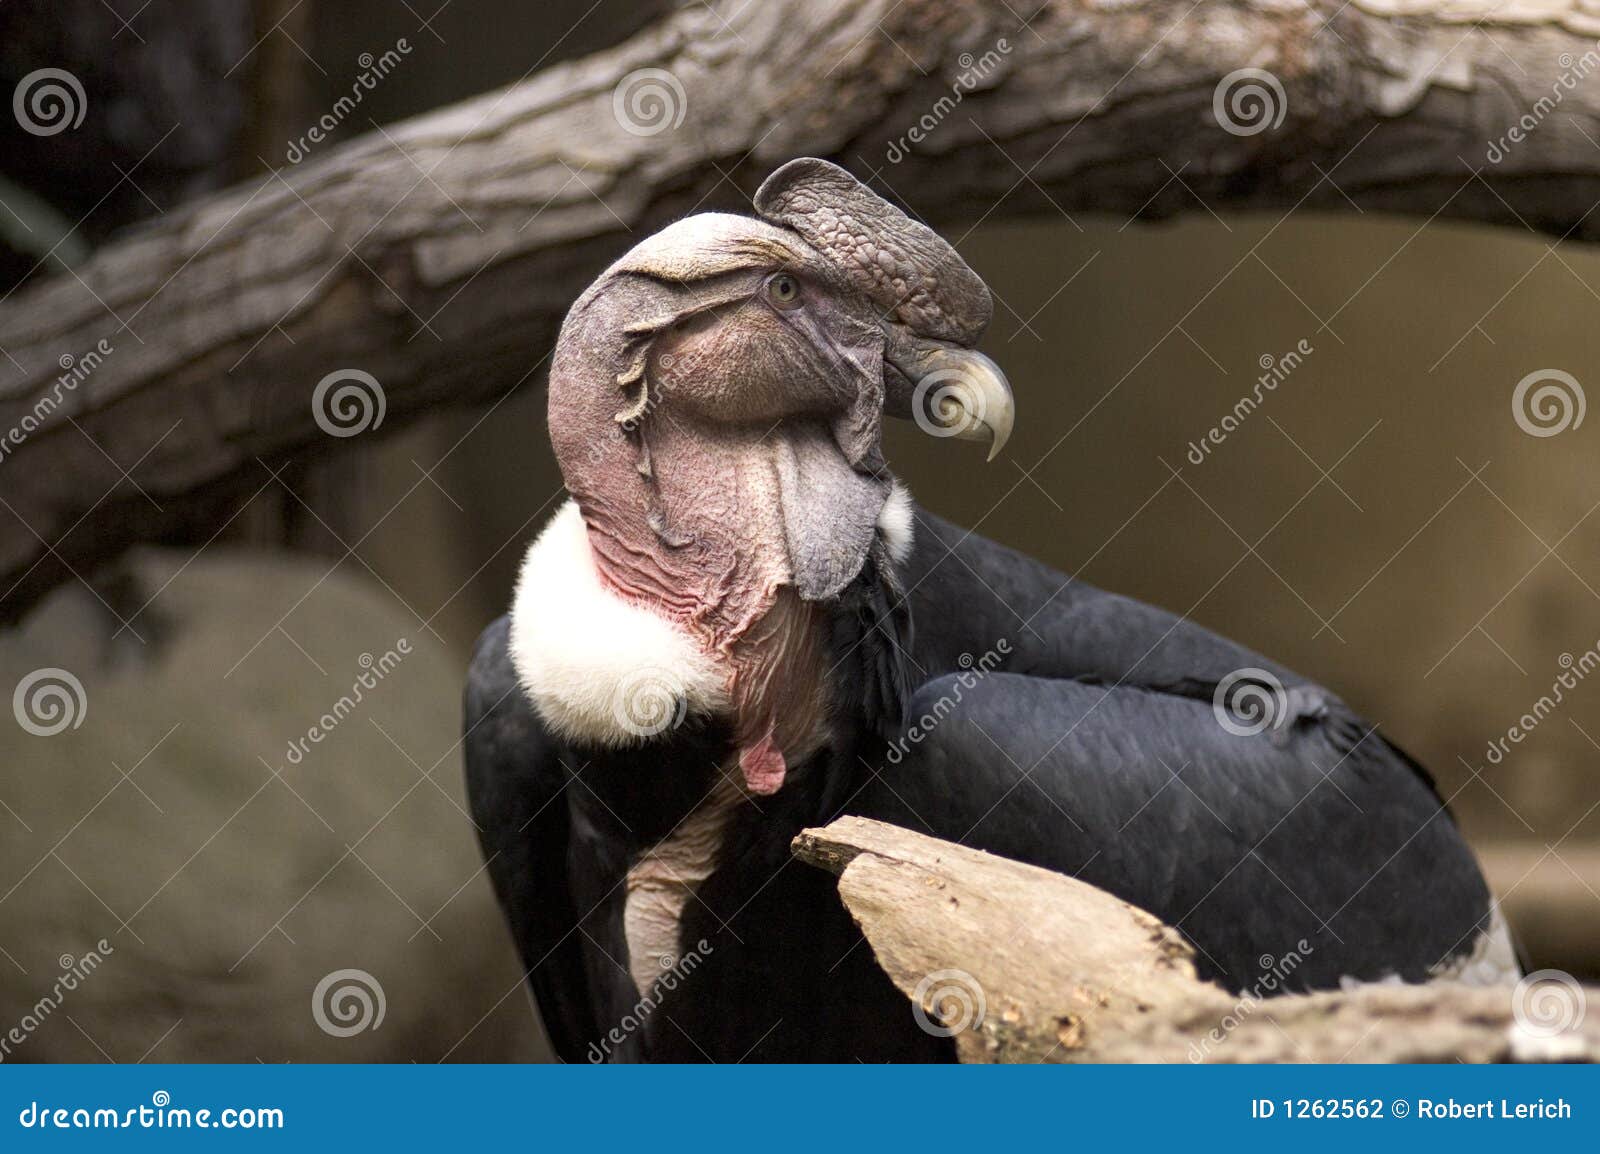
[783, 290]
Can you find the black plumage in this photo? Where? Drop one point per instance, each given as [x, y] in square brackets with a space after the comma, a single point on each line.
[982, 697]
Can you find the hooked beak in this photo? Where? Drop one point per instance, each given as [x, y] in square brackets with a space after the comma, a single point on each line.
[952, 391]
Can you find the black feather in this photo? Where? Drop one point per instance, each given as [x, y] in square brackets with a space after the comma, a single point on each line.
[1092, 748]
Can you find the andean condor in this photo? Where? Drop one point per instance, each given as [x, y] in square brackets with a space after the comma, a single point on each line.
[740, 625]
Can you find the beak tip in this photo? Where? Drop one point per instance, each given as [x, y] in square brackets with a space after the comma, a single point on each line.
[999, 437]
[961, 393]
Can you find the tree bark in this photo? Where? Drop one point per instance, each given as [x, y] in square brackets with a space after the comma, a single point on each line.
[1021, 964]
[439, 255]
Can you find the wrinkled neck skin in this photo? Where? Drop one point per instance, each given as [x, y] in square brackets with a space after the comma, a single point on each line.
[701, 539]
[701, 542]
[716, 507]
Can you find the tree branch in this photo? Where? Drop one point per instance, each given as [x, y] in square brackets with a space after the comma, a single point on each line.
[439, 255]
[1023, 964]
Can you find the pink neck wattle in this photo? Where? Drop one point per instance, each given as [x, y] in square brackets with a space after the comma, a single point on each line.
[717, 567]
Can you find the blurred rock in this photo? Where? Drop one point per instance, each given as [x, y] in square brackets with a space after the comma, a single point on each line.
[228, 871]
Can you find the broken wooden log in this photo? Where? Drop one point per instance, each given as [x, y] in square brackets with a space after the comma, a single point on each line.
[1022, 964]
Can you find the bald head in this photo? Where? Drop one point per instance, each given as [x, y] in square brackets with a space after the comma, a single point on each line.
[716, 406]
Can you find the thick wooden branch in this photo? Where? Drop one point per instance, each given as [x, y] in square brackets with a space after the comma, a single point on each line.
[439, 255]
[1025, 965]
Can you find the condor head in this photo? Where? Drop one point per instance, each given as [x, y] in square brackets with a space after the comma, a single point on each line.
[729, 361]
[716, 407]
